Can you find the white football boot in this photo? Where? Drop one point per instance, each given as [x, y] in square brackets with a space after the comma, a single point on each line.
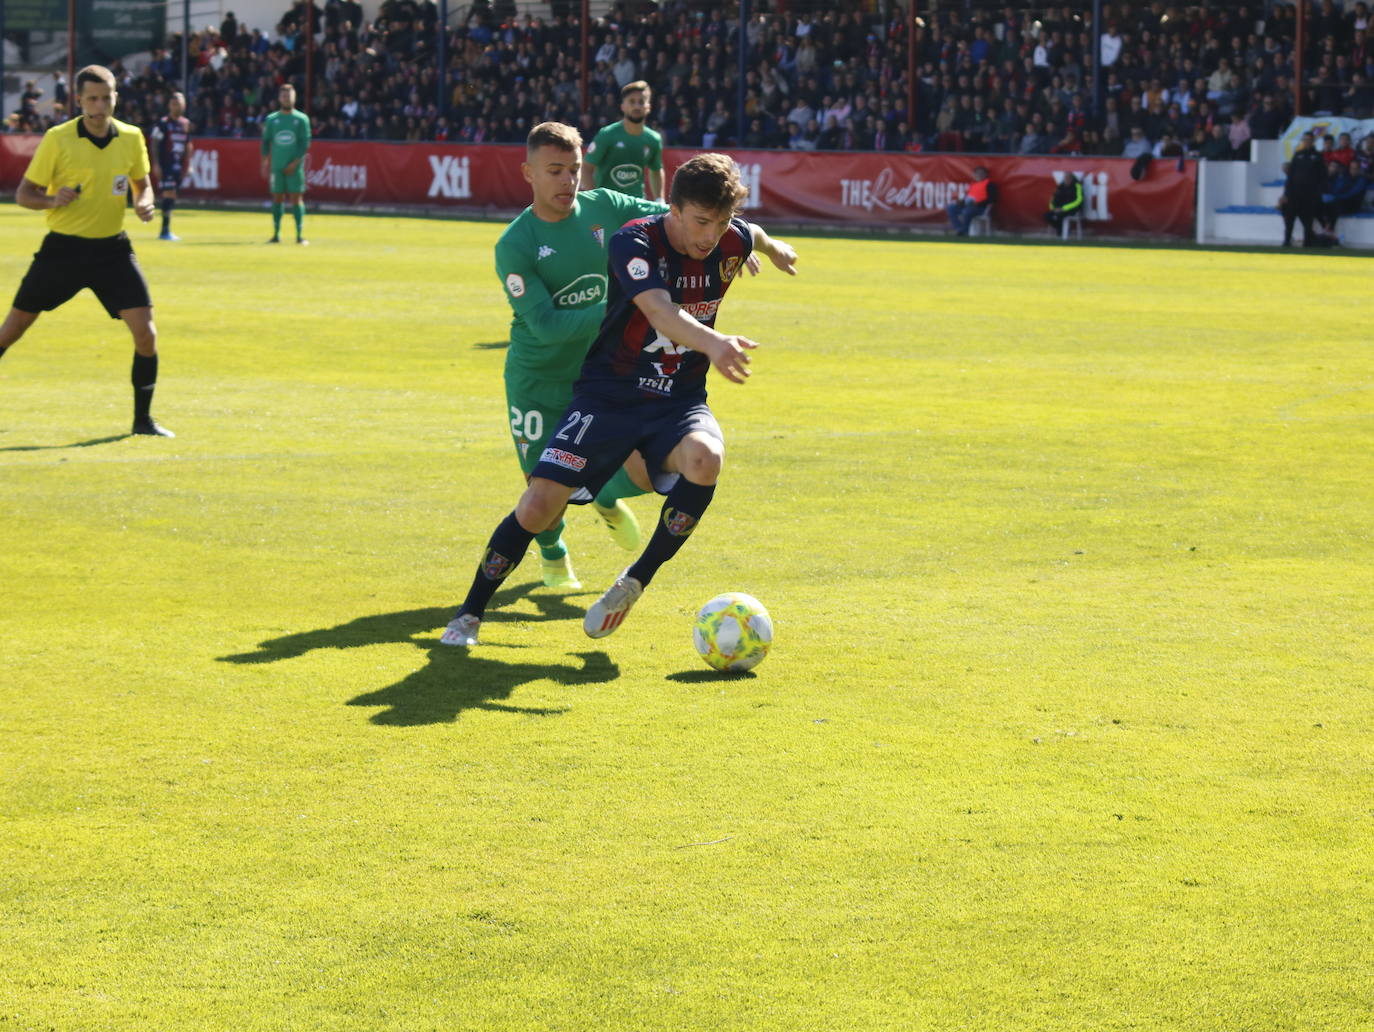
[461, 630]
[609, 611]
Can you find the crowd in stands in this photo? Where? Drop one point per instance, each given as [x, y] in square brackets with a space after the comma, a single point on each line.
[1201, 81]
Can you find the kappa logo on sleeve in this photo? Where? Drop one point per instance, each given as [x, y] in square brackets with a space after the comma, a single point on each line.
[638, 269]
[515, 283]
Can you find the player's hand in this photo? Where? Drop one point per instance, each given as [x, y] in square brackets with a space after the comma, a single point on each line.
[145, 209]
[64, 196]
[731, 358]
[753, 263]
[784, 257]
[265, 168]
[290, 170]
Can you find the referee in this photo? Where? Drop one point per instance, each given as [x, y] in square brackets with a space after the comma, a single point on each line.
[81, 175]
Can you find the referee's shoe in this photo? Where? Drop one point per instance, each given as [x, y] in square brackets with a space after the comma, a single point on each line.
[150, 427]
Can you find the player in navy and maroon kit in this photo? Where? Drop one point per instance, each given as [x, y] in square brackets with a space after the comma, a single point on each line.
[643, 386]
[171, 157]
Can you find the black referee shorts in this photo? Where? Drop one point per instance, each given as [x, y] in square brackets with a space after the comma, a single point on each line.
[65, 265]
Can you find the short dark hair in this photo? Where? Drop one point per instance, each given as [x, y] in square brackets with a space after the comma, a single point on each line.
[710, 181]
[553, 134]
[94, 73]
[638, 86]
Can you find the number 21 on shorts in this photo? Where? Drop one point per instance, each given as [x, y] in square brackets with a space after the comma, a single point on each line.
[575, 418]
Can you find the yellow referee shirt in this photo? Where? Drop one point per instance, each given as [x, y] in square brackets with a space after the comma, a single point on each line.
[67, 156]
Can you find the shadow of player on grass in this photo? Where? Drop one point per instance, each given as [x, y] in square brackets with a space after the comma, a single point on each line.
[63, 447]
[453, 679]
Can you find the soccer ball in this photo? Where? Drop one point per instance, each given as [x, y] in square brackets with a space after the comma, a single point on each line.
[733, 632]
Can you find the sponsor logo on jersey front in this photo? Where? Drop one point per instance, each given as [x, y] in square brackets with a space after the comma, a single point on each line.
[515, 283]
[566, 459]
[638, 269]
[284, 138]
[586, 290]
[703, 310]
[626, 175]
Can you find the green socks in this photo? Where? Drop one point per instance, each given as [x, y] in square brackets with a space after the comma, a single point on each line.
[619, 486]
[551, 542]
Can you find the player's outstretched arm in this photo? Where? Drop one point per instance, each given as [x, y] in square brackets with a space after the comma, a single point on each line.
[728, 353]
[779, 252]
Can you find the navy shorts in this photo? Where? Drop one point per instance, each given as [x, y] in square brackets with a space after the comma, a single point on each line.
[596, 435]
[65, 265]
[171, 178]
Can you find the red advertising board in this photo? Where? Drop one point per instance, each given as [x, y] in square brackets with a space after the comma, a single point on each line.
[898, 190]
[913, 189]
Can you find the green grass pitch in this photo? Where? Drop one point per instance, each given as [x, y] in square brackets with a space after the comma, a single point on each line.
[1067, 725]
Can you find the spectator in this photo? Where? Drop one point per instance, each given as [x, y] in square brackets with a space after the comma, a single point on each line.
[980, 197]
[1066, 202]
[1343, 194]
[1216, 146]
[1268, 121]
[1343, 153]
[1137, 145]
[1302, 193]
[1238, 135]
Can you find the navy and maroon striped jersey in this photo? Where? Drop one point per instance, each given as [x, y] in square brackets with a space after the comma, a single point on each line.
[170, 135]
[629, 358]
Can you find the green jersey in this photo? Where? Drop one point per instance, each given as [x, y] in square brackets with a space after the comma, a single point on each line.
[554, 275]
[285, 137]
[620, 157]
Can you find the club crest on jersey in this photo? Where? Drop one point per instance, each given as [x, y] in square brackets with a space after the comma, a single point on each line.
[599, 235]
[678, 523]
[495, 566]
[728, 268]
[638, 269]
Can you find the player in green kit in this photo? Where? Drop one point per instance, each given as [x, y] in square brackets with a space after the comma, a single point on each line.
[552, 265]
[285, 140]
[626, 155]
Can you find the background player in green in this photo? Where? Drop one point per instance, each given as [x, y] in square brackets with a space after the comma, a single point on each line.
[285, 139]
[552, 264]
[627, 154]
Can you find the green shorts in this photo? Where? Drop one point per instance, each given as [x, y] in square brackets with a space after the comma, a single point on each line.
[294, 183]
[534, 409]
